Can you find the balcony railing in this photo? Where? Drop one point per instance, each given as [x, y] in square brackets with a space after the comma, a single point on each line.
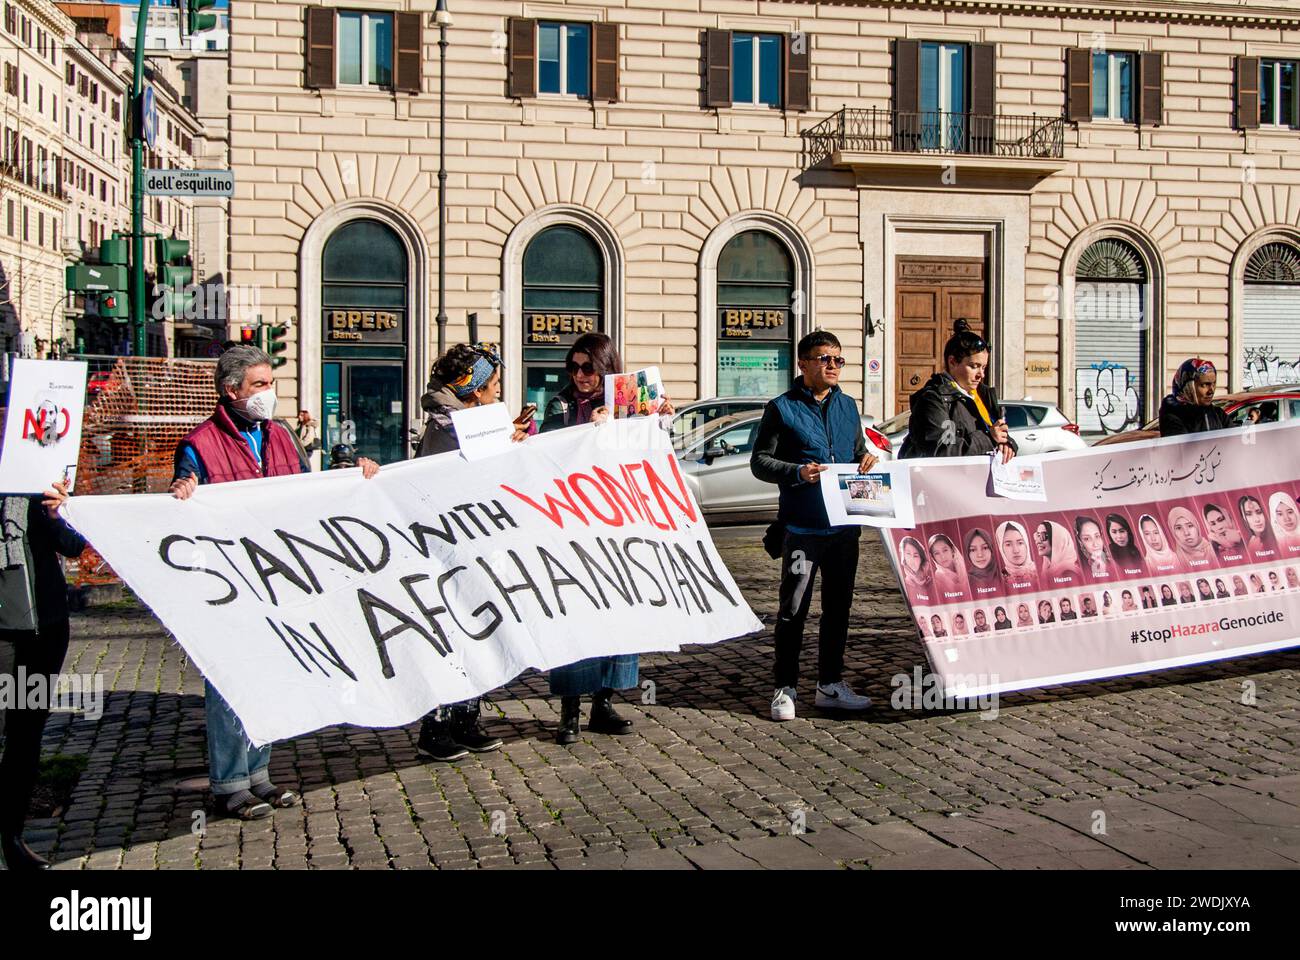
[876, 130]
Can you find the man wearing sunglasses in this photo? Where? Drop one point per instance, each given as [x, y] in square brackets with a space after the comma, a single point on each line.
[811, 425]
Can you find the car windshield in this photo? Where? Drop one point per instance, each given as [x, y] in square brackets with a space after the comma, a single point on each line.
[895, 423]
[691, 438]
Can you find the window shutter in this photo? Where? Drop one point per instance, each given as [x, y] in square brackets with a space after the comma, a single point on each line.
[319, 72]
[983, 97]
[797, 87]
[717, 68]
[1078, 84]
[522, 82]
[906, 94]
[408, 40]
[1150, 105]
[604, 63]
[1247, 93]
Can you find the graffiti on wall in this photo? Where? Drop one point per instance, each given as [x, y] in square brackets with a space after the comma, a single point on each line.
[1261, 367]
[1106, 399]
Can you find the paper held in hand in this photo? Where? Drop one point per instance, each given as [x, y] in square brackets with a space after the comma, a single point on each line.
[881, 498]
[1020, 478]
[637, 394]
[42, 436]
[483, 431]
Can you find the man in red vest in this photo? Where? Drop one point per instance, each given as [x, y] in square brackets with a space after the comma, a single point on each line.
[240, 441]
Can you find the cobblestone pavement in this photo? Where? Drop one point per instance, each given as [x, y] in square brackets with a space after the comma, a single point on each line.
[1165, 770]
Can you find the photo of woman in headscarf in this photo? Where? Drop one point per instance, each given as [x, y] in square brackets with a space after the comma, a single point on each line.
[1256, 584]
[1193, 549]
[1286, 521]
[1148, 598]
[1107, 606]
[1160, 556]
[1123, 546]
[1000, 619]
[982, 565]
[959, 625]
[1203, 589]
[1274, 582]
[1220, 589]
[1058, 558]
[1045, 614]
[1023, 617]
[949, 571]
[1292, 579]
[1254, 521]
[922, 626]
[1228, 542]
[1185, 594]
[981, 622]
[1127, 604]
[936, 624]
[918, 577]
[1238, 587]
[1167, 598]
[1092, 547]
[1017, 564]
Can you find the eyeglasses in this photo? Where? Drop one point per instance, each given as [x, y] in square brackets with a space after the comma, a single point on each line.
[828, 360]
[588, 368]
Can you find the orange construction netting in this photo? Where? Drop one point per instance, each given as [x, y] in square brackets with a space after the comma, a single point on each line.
[139, 411]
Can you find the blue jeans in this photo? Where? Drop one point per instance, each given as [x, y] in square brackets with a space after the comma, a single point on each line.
[234, 764]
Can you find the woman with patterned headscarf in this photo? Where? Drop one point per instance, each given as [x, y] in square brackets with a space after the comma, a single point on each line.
[1189, 408]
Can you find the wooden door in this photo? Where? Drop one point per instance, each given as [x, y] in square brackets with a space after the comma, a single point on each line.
[930, 295]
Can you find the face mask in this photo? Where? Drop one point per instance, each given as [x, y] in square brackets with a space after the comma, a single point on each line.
[260, 406]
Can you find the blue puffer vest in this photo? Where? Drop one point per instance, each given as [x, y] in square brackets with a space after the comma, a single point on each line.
[814, 433]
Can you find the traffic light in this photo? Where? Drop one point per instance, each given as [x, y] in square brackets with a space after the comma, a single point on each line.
[276, 344]
[174, 275]
[106, 279]
[251, 336]
[196, 21]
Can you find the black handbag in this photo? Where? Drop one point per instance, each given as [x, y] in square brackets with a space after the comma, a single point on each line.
[774, 540]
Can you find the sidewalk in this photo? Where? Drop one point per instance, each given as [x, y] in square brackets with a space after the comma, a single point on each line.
[1164, 770]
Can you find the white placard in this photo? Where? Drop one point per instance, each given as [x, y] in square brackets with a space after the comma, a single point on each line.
[1020, 478]
[42, 440]
[881, 497]
[636, 394]
[327, 598]
[483, 431]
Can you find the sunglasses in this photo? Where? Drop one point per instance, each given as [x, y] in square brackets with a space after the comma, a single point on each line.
[826, 360]
[588, 368]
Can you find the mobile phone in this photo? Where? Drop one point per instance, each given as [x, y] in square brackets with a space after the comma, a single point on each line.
[526, 414]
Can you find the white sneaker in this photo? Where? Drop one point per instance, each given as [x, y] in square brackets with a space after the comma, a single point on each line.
[839, 696]
[783, 703]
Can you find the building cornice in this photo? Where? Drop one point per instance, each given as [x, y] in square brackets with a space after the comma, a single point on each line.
[1173, 11]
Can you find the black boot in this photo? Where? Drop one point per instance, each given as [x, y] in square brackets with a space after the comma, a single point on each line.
[465, 729]
[604, 719]
[569, 728]
[19, 857]
[435, 739]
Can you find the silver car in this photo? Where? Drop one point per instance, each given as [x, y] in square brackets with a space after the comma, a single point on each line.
[714, 460]
[1036, 426]
[690, 417]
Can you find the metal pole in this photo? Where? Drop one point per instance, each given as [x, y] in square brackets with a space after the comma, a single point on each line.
[136, 294]
[442, 189]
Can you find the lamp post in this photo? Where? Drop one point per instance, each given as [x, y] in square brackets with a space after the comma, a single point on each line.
[442, 16]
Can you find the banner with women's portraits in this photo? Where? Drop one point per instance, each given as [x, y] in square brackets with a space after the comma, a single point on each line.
[1145, 556]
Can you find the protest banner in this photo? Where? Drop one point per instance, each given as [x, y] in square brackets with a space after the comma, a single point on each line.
[328, 598]
[1150, 555]
[42, 437]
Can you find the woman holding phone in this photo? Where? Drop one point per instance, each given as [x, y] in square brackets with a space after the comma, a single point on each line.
[591, 358]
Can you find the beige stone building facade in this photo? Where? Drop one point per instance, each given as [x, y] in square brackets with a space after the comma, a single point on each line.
[1103, 190]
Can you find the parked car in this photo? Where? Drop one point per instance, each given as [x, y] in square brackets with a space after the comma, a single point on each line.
[714, 460]
[1035, 425]
[1274, 404]
[697, 413]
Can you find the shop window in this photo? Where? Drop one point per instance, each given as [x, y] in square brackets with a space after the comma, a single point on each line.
[755, 316]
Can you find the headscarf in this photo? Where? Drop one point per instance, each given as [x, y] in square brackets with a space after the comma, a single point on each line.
[1025, 570]
[1063, 557]
[1204, 550]
[1128, 557]
[948, 579]
[487, 361]
[1187, 373]
[1287, 539]
[1238, 587]
[1161, 556]
[1024, 618]
[922, 579]
[986, 576]
[1051, 614]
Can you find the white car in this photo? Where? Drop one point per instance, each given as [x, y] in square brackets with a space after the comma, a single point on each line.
[1035, 425]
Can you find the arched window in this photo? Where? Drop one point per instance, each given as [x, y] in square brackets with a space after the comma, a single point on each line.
[1112, 342]
[755, 310]
[563, 298]
[1270, 335]
[364, 276]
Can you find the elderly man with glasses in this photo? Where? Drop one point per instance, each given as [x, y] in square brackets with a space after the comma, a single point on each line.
[812, 425]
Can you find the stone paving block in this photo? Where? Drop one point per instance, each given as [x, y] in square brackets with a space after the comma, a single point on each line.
[784, 853]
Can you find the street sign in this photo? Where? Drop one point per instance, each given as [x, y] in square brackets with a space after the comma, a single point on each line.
[149, 112]
[189, 183]
[83, 277]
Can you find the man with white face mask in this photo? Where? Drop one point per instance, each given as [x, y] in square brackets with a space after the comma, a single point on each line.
[240, 441]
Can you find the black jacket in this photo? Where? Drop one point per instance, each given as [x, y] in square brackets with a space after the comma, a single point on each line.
[46, 540]
[946, 423]
[1181, 418]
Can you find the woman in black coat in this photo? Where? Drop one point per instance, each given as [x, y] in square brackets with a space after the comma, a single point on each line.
[1189, 408]
[956, 414]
